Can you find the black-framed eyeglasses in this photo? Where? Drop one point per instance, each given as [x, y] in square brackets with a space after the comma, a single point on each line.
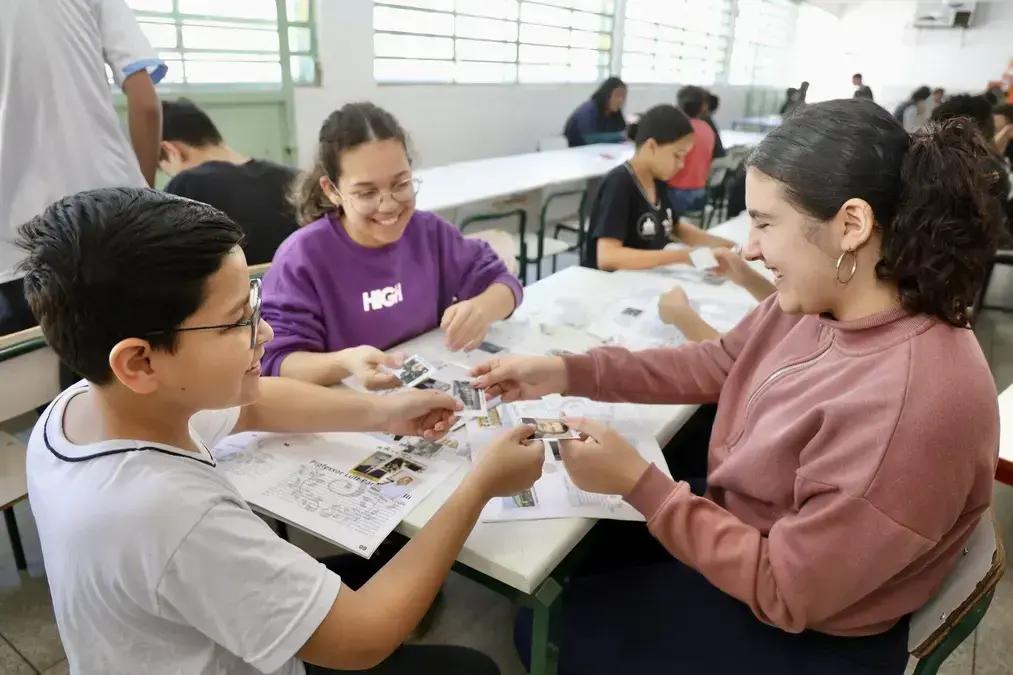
[256, 301]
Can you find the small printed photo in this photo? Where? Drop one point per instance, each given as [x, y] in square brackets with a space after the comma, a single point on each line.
[521, 500]
[473, 399]
[548, 428]
[421, 447]
[413, 371]
[398, 484]
[371, 468]
[491, 419]
[435, 385]
[490, 347]
[632, 311]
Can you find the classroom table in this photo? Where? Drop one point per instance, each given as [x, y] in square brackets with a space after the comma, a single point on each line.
[517, 559]
[731, 138]
[1004, 470]
[759, 123]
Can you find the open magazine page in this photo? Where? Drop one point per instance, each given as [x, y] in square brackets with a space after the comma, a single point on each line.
[349, 489]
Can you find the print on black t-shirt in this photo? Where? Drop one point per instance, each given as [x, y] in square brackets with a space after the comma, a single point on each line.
[621, 210]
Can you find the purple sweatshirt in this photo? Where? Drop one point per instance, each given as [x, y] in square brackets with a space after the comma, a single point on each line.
[324, 292]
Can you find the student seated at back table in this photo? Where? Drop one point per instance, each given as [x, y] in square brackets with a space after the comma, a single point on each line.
[600, 118]
[154, 560]
[632, 218]
[252, 192]
[857, 426]
[687, 189]
[366, 268]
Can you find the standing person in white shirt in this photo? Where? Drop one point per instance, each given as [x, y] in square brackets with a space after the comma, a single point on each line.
[155, 562]
[59, 133]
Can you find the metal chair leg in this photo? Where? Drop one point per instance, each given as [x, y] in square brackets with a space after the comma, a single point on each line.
[15, 537]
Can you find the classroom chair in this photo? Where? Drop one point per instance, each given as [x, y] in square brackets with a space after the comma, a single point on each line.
[13, 489]
[258, 271]
[520, 236]
[1002, 257]
[959, 605]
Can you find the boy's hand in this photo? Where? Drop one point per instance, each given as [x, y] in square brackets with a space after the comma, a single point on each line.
[510, 464]
[366, 364]
[521, 377]
[429, 414]
[605, 462]
[465, 324]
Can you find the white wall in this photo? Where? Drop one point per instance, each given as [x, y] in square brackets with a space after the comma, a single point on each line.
[449, 123]
[878, 39]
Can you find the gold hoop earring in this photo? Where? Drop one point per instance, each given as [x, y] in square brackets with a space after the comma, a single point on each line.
[854, 266]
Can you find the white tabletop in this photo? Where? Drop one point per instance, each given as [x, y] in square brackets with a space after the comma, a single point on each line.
[453, 185]
[522, 554]
[732, 137]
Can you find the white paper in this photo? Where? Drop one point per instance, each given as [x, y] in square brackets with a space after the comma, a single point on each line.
[703, 258]
[311, 481]
[554, 495]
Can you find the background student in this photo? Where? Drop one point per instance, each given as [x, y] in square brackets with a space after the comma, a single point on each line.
[632, 218]
[688, 186]
[600, 118]
[252, 192]
[366, 268]
[59, 132]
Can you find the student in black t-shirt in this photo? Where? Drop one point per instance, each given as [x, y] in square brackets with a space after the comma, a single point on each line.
[631, 217]
[253, 192]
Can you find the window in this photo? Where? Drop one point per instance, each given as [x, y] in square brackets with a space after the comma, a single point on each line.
[683, 41]
[214, 42]
[491, 41]
[761, 50]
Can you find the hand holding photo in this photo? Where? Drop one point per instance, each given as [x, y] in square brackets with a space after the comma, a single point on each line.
[413, 371]
[473, 399]
[703, 258]
[548, 428]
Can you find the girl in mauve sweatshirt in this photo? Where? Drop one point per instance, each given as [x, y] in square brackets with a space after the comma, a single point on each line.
[857, 426]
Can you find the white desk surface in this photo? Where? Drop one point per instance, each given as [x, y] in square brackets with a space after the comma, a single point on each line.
[522, 554]
[454, 185]
[732, 137]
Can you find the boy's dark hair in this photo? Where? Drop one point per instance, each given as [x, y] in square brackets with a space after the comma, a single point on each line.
[110, 264]
[343, 130]
[664, 123]
[691, 100]
[714, 101]
[183, 121]
[964, 105]
[858, 75]
[922, 93]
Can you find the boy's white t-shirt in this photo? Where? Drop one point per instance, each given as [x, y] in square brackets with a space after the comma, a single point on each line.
[157, 565]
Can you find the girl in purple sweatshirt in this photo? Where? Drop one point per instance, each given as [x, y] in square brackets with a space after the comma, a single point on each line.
[856, 435]
[367, 271]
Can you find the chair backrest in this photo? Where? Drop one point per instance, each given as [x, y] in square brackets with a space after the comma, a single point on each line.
[552, 143]
[13, 482]
[975, 576]
[502, 243]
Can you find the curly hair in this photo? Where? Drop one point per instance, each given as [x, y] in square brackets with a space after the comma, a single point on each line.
[934, 194]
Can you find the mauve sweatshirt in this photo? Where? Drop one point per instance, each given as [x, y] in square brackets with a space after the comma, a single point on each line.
[848, 464]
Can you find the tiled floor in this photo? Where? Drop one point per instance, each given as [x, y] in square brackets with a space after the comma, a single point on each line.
[470, 614]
